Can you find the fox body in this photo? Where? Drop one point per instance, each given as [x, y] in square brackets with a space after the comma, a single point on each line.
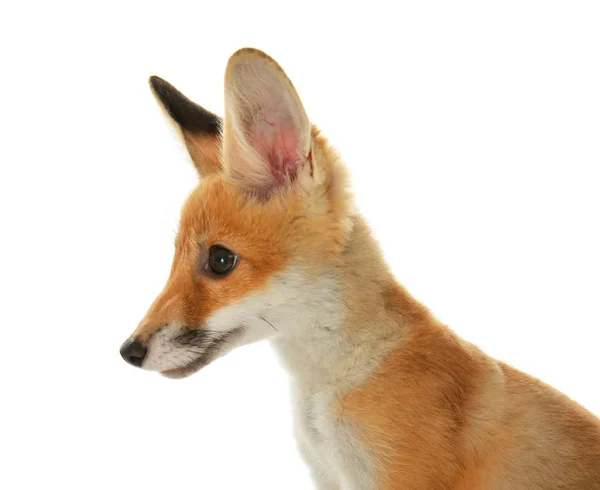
[386, 397]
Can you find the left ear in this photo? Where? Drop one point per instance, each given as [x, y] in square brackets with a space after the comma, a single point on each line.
[267, 134]
[201, 129]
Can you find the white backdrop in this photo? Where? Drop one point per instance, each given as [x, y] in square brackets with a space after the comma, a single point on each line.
[471, 130]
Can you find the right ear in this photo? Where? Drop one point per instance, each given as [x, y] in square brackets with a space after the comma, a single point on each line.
[267, 137]
[201, 130]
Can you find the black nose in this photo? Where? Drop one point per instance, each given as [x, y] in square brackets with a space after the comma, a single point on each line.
[133, 351]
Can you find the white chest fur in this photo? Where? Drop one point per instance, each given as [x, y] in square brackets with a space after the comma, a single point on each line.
[324, 364]
[328, 443]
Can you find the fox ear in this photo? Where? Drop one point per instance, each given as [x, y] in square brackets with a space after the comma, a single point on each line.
[201, 129]
[267, 135]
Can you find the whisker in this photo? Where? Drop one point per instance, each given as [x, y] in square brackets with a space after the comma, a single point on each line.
[262, 318]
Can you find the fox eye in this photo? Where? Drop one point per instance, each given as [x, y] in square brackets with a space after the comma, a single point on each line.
[221, 261]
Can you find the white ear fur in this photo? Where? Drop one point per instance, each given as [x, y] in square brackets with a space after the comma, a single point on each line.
[267, 136]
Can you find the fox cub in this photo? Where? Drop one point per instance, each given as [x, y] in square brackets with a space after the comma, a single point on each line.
[386, 397]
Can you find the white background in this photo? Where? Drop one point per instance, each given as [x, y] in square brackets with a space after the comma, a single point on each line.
[471, 130]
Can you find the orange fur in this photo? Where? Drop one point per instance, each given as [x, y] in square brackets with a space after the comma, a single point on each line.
[438, 413]
[205, 152]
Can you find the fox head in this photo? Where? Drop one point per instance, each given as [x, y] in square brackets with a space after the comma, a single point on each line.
[260, 235]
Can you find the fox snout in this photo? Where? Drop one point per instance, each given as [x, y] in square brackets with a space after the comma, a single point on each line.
[177, 352]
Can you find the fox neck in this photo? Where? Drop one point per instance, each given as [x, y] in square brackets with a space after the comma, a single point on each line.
[354, 315]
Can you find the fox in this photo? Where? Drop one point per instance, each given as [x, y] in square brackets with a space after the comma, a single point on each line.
[385, 396]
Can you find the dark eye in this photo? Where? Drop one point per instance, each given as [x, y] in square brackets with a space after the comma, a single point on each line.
[220, 260]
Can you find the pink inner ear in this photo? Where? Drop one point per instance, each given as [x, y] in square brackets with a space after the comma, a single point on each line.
[276, 138]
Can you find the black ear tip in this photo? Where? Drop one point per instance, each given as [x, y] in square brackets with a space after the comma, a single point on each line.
[158, 85]
[189, 115]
